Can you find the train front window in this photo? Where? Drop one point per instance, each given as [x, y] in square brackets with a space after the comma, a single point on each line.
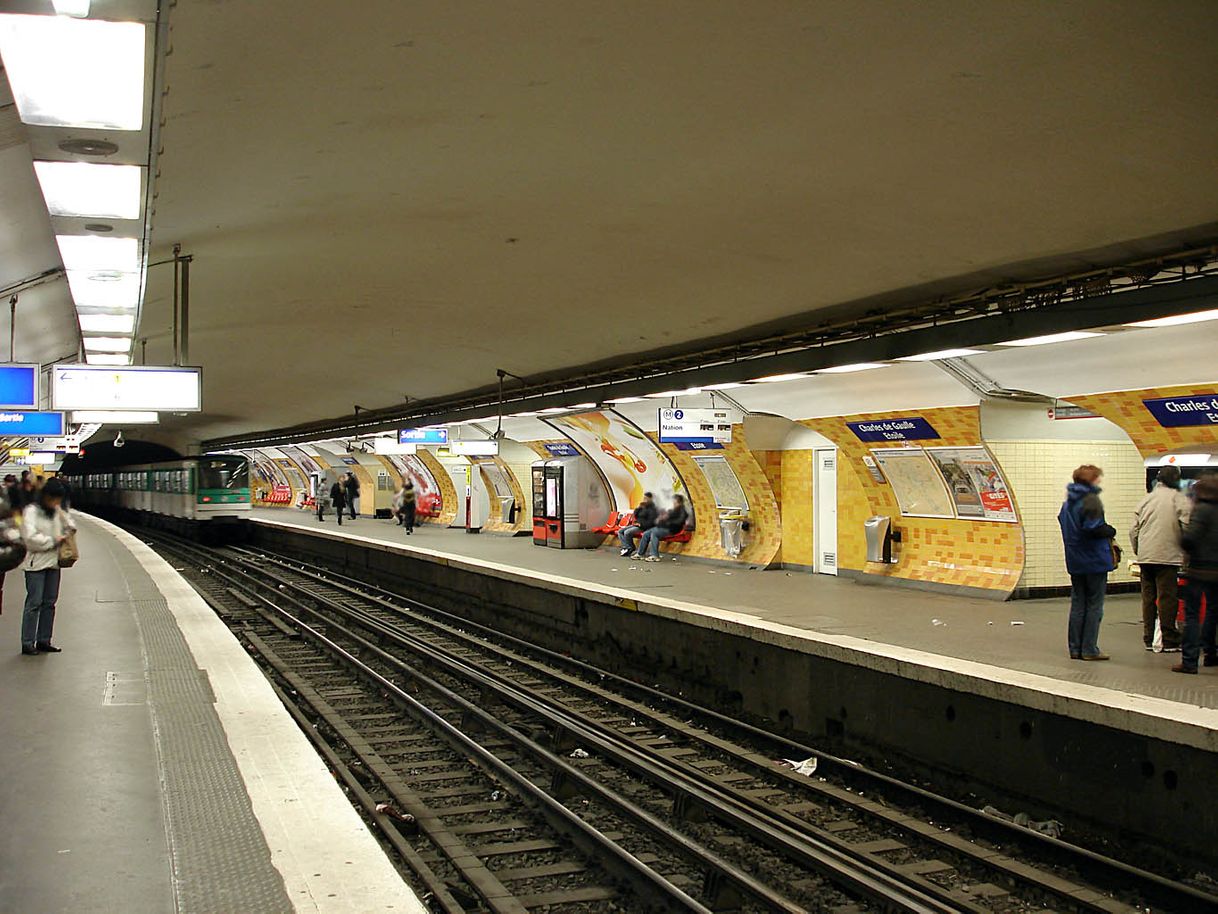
[222, 474]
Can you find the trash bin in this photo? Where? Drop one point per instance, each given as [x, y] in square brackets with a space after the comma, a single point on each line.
[878, 531]
[731, 534]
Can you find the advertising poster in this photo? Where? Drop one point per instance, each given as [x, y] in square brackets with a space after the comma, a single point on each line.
[976, 485]
[630, 461]
[427, 492]
[916, 482]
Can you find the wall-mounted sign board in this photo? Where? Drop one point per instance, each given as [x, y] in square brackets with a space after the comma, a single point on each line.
[18, 423]
[19, 386]
[562, 449]
[695, 426]
[387, 447]
[479, 448]
[143, 387]
[1182, 412]
[916, 482]
[905, 428]
[423, 436]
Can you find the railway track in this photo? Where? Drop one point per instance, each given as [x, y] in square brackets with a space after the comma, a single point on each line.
[510, 778]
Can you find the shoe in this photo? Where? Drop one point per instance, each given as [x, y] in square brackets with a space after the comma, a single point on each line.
[29, 651]
[1150, 647]
[636, 558]
[1172, 650]
[652, 558]
[1076, 656]
[1096, 657]
[626, 552]
[46, 647]
[1210, 660]
[1181, 668]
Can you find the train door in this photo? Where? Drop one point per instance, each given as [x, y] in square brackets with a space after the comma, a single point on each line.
[824, 509]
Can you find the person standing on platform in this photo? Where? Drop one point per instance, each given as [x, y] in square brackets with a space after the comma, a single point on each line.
[405, 504]
[12, 549]
[338, 497]
[644, 519]
[352, 486]
[670, 523]
[1089, 557]
[44, 528]
[1200, 542]
[1158, 524]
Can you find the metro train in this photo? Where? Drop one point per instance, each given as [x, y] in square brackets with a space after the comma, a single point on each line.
[172, 493]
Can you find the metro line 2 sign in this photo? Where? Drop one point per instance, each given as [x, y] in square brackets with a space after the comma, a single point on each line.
[910, 428]
[1180, 412]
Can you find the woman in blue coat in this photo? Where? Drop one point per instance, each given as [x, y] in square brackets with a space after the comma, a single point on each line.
[1089, 557]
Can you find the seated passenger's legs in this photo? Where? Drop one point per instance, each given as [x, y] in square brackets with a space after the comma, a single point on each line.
[626, 536]
[649, 545]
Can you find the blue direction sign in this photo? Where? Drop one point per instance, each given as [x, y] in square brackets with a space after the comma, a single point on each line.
[19, 386]
[1179, 412]
[423, 436]
[19, 423]
[562, 449]
[908, 428]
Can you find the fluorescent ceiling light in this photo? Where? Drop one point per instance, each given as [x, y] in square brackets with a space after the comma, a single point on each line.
[552, 410]
[75, 72]
[1052, 338]
[1177, 319]
[104, 289]
[88, 189]
[78, 8]
[688, 392]
[94, 253]
[107, 343]
[617, 401]
[583, 406]
[776, 378]
[941, 354]
[107, 323]
[726, 385]
[105, 358]
[106, 416]
[846, 369]
[527, 414]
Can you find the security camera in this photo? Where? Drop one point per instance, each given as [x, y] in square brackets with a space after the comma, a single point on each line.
[119, 441]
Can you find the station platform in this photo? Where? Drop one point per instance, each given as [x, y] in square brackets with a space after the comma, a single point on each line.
[1012, 652]
[150, 768]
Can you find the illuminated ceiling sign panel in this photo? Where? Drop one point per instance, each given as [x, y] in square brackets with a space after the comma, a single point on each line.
[89, 387]
[19, 386]
[25, 424]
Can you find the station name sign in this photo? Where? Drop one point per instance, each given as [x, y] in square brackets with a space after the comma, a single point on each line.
[562, 449]
[26, 424]
[1180, 412]
[695, 426]
[910, 428]
[423, 436]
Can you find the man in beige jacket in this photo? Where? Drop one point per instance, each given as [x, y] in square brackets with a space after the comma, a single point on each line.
[1155, 535]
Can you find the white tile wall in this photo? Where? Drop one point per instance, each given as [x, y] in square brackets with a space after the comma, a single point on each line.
[1038, 472]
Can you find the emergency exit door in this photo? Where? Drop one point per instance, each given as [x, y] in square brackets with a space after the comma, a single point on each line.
[824, 507]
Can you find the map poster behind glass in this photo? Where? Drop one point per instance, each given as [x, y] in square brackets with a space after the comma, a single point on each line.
[916, 482]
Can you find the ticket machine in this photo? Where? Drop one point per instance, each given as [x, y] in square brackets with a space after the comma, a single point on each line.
[569, 499]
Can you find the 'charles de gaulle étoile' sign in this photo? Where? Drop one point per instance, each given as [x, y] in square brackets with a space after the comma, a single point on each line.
[1180, 412]
[908, 428]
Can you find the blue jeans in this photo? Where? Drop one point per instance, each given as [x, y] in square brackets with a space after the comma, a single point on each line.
[650, 543]
[626, 536]
[41, 592]
[1086, 613]
[1197, 636]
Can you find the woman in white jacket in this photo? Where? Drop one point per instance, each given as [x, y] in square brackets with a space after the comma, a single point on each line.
[44, 527]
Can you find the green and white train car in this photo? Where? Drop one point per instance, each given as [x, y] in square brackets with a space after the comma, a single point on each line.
[194, 489]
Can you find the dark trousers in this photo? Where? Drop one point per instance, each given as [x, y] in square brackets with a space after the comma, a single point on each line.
[1197, 636]
[351, 504]
[41, 593]
[1160, 600]
[408, 517]
[338, 511]
[1086, 613]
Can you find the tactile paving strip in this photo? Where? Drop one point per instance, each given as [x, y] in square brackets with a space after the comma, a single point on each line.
[220, 857]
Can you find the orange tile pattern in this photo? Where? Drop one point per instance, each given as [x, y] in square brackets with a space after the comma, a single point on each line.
[1125, 408]
[797, 525]
[448, 492]
[771, 464]
[961, 553]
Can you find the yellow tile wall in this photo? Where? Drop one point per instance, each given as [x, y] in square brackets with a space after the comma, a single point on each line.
[448, 492]
[1125, 408]
[1038, 471]
[797, 507]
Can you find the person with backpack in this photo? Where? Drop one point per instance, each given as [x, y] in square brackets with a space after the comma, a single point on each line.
[670, 523]
[338, 497]
[1200, 542]
[1158, 523]
[1090, 555]
[45, 527]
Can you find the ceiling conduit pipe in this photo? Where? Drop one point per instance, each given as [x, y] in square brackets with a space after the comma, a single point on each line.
[986, 387]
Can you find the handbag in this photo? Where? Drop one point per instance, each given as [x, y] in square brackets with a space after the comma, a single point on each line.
[68, 551]
[1116, 554]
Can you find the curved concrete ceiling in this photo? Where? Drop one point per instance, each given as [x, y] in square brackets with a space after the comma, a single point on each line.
[397, 198]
